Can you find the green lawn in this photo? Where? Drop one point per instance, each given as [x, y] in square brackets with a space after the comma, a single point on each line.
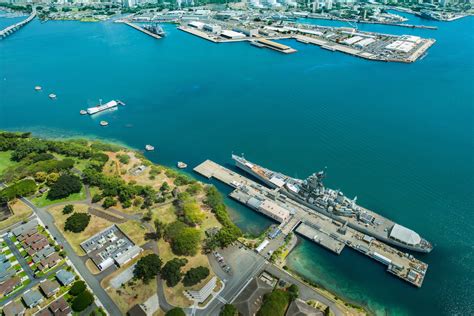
[5, 161]
[42, 201]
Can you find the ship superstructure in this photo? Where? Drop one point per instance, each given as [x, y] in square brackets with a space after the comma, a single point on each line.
[312, 193]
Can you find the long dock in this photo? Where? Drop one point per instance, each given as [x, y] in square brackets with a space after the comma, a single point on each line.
[141, 29]
[332, 235]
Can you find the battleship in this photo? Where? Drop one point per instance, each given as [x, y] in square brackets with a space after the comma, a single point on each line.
[312, 193]
[155, 29]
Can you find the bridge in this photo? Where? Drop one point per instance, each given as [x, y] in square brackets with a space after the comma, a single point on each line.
[15, 27]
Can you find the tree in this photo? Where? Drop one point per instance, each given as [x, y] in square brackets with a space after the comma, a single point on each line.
[109, 202]
[228, 310]
[192, 213]
[184, 240]
[65, 186]
[77, 288]
[124, 158]
[24, 187]
[96, 198]
[82, 301]
[177, 311]
[77, 222]
[68, 209]
[147, 267]
[165, 187]
[171, 271]
[159, 228]
[195, 275]
[194, 188]
[40, 176]
[52, 178]
[294, 292]
[274, 303]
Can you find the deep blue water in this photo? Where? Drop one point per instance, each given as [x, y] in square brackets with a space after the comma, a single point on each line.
[399, 136]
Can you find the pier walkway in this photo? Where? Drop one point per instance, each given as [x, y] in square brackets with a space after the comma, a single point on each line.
[15, 27]
[139, 28]
[330, 234]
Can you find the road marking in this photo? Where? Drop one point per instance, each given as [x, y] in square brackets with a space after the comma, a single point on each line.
[221, 299]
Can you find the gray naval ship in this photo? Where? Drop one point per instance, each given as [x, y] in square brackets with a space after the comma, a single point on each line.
[333, 203]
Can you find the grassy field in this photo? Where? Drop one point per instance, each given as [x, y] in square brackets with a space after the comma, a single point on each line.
[135, 231]
[42, 201]
[5, 161]
[96, 225]
[20, 212]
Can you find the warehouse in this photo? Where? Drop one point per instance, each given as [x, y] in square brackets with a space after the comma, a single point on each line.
[232, 35]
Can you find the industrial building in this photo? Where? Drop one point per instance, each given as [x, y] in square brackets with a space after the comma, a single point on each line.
[110, 246]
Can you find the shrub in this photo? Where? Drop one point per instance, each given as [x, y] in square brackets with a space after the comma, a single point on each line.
[66, 185]
[274, 303]
[109, 202]
[124, 158]
[77, 288]
[82, 301]
[77, 222]
[195, 275]
[68, 209]
[96, 198]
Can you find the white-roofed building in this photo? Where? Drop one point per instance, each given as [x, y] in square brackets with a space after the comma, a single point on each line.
[352, 40]
[196, 24]
[273, 210]
[364, 42]
[405, 235]
[232, 35]
[201, 295]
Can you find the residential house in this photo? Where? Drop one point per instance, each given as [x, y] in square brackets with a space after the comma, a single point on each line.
[60, 307]
[32, 298]
[9, 285]
[49, 288]
[13, 308]
[65, 277]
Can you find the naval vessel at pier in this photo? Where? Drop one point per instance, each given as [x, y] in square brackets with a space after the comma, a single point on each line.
[333, 203]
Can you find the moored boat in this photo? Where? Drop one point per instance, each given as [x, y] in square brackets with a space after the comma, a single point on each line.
[104, 123]
[182, 165]
[149, 147]
[52, 96]
[38, 88]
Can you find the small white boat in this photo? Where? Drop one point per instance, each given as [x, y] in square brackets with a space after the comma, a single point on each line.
[52, 96]
[104, 123]
[83, 112]
[182, 165]
[149, 148]
[38, 88]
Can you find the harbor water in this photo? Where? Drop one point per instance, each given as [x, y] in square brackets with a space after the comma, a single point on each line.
[398, 136]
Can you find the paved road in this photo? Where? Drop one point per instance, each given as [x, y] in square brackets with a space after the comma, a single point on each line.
[24, 265]
[93, 283]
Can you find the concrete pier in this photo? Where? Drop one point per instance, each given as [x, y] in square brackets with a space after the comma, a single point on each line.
[321, 229]
[141, 29]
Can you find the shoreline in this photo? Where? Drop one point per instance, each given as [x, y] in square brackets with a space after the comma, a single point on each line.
[336, 297]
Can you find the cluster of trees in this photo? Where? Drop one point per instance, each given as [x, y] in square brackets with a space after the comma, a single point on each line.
[82, 298]
[147, 268]
[195, 275]
[24, 187]
[124, 158]
[66, 185]
[171, 271]
[115, 186]
[188, 209]
[184, 240]
[229, 231]
[177, 311]
[274, 303]
[77, 222]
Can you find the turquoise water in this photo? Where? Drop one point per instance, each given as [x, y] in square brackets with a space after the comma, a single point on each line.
[399, 136]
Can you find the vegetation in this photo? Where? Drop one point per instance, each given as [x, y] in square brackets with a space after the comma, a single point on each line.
[66, 185]
[177, 311]
[147, 268]
[171, 271]
[229, 231]
[229, 310]
[124, 158]
[77, 288]
[293, 292]
[82, 301]
[109, 202]
[184, 240]
[195, 275]
[21, 188]
[68, 209]
[274, 303]
[77, 222]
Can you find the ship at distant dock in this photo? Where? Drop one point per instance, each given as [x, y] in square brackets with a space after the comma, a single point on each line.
[102, 107]
[155, 29]
[333, 203]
